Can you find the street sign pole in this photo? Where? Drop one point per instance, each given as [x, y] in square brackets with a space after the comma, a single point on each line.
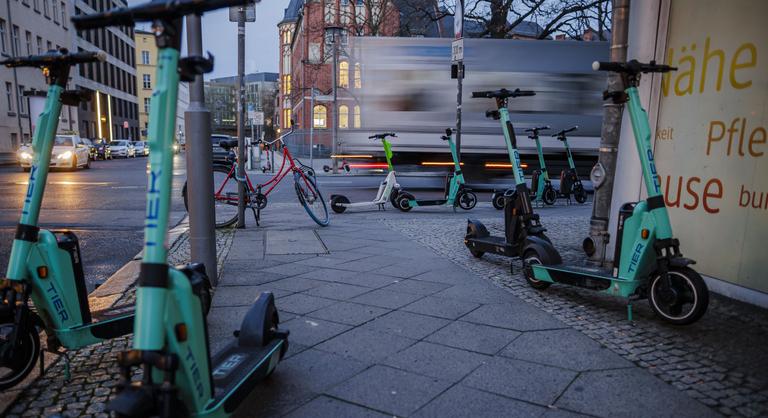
[457, 55]
[241, 192]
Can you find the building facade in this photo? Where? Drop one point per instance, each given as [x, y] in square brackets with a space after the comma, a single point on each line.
[29, 27]
[114, 111]
[307, 62]
[221, 98]
[146, 69]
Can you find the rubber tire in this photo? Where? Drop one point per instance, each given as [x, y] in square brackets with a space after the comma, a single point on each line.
[336, 200]
[550, 196]
[473, 202]
[698, 285]
[579, 193]
[225, 224]
[472, 233]
[402, 201]
[393, 197]
[498, 201]
[319, 198]
[206, 298]
[33, 339]
[530, 255]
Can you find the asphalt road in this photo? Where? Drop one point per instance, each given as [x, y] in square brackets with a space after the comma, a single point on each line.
[103, 206]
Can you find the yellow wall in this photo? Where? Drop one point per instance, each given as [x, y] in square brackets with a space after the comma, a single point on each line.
[144, 42]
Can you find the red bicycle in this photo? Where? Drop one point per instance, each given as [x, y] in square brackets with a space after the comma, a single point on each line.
[226, 179]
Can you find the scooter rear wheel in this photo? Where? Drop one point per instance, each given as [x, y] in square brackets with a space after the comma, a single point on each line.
[579, 193]
[14, 369]
[531, 257]
[550, 196]
[498, 201]
[683, 300]
[402, 201]
[335, 203]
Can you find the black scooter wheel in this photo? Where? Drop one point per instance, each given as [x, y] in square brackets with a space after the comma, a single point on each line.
[550, 196]
[467, 200]
[336, 203]
[531, 257]
[402, 201]
[579, 193]
[393, 197]
[472, 233]
[16, 366]
[498, 201]
[681, 299]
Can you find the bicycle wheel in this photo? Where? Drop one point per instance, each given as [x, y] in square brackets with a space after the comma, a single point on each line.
[310, 197]
[225, 197]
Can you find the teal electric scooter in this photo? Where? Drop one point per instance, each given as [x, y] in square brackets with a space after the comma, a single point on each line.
[541, 190]
[570, 183]
[456, 192]
[647, 258]
[170, 342]
[45, 288]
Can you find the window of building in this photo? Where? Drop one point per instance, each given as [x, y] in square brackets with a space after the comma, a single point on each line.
[3, 47]
[330, 11]
[287, 84]
[358, 76]
[22, 101]
[346, 12]
[40, 48]
[145, 57]
[314, 52]
[64, 15]
[286, 62]
[28, 38]
[359, 12]
[319, 117]
[36, 5]
[16, 42]
[9, 96]
[48, 46]
[55, 11]
[343, 117]
[356, 118]
[146, 105]
[344, 74]
[286, 118]
[147, 81]
[46, 8]
[14, 139]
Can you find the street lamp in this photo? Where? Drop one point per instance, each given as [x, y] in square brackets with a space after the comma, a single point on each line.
[333, 34]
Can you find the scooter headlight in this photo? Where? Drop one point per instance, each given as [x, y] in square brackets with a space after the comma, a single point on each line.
[65, 155]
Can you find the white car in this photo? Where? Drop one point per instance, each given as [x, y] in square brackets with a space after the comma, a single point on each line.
[122, 148]
[142, 148]
[69, 151]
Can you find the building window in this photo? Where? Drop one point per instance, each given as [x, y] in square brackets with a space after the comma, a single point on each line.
[9, 96]
[344, 74]
[55, 5]
[356, 120]
[145, 57]
[343, 117]
[346, 12]
[147, 81]
[29, 42]
[358, 76]
[330, 11]
[3, 48]
[22, 101]
[319, 117]
[146, 105]
[48, 46]
[287, 84]
[40, 47]
[286, 118]
[359, 13]
[36, 5]
[64, 15]
[46, 8]
[16, 41]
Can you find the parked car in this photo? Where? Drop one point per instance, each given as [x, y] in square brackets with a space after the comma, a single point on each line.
[69, 151]
[92, 152]
[142, 148]
[102, 149]
[220, 155]
[122, 148]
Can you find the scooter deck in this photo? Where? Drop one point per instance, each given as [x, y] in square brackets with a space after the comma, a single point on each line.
[596, 278]
[429, 202]
[492, 244]
[237, 369]
[112, 322]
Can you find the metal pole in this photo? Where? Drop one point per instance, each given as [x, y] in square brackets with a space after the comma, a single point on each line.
[250, 148]
[312, 129]
[241, 116]
[460, 73]
[335, 131]
[197, 123]
[609, 143]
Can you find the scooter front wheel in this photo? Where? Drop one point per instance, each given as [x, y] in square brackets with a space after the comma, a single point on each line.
[467, 200]
[498, 201]
[531, 257]
[550, 196]
[14, 367]
[402, 201]
[681, 299]
[579, 193]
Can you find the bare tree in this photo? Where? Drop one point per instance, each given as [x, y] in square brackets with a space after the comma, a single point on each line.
[369, 17]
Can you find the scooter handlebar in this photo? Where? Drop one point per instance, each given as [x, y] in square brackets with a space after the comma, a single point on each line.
[632, 67]
[565, 131]
[150, 11]
[53, 57]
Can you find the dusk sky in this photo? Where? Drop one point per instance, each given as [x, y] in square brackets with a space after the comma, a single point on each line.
[220, 38]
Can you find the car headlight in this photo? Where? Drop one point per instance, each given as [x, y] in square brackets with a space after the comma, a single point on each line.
[175, 147]
[65, 155]
[26, 156]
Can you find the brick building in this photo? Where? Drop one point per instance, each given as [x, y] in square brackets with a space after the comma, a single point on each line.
[306, 65]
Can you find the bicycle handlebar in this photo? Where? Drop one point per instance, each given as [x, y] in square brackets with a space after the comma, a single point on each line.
[503, 93]
[632, 67]
[150, 11]
[278, 139]
[53, 57]
[565, 131]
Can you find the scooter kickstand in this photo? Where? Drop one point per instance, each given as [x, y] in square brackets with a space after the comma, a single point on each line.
[629, 306]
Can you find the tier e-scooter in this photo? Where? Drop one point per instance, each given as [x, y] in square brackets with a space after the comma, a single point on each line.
[647, 258]
[570, 183]
[180, 377]
[522, 229]
[456, 192]
[388, 189]
[45, 286]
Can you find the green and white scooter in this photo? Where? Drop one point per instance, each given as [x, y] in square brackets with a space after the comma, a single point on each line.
[647, 259]
[456, 193]
[570, 183]
[44, 288]
[388, 189]
[170, 343]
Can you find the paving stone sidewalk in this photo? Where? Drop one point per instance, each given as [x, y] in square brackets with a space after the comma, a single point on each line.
[384, 326]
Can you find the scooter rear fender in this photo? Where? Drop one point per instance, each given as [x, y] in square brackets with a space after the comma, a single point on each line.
[542, 246]
[482, 231]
